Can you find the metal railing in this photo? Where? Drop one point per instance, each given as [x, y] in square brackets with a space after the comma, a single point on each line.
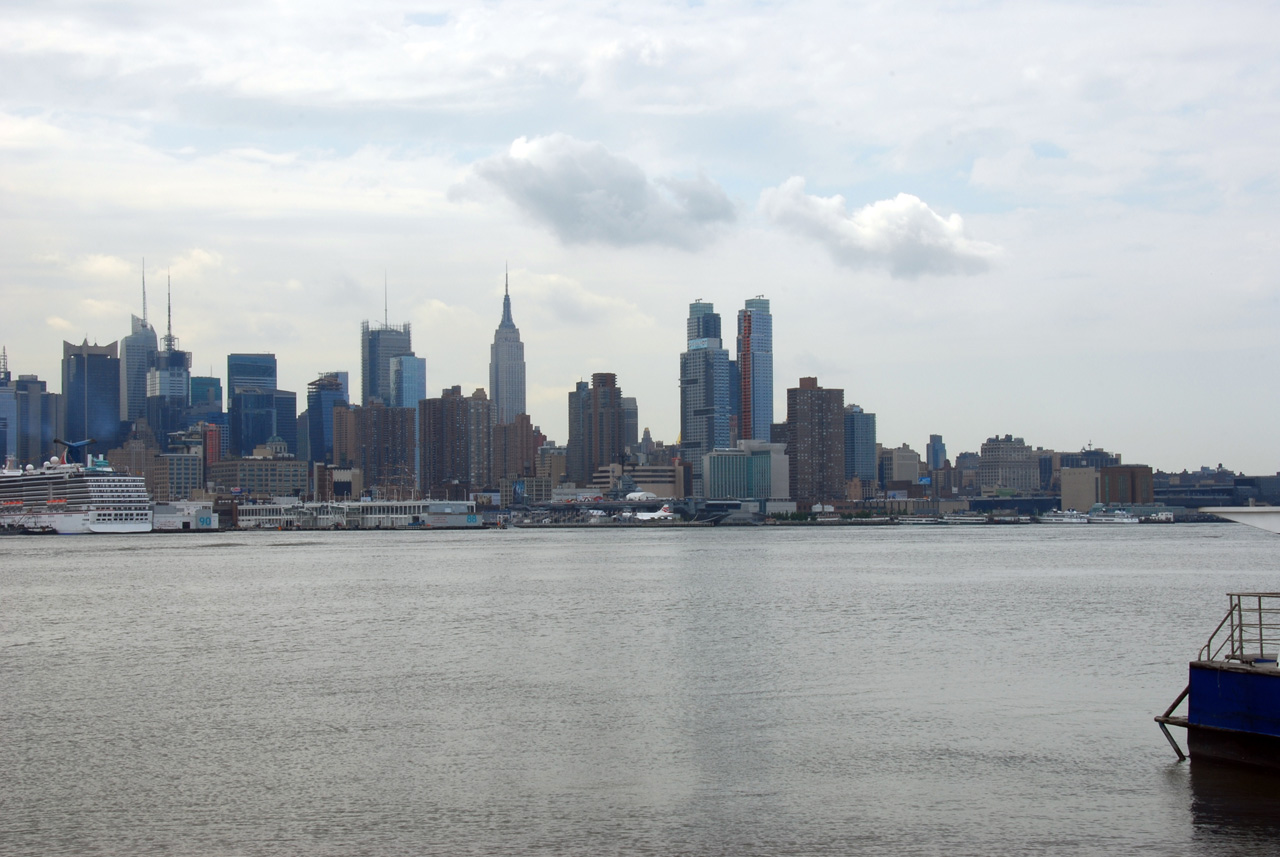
[1250, 631]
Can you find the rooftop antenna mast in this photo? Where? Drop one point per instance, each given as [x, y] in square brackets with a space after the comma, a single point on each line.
[144, 290]
[386, 316]
[4, 360]
[168, 339]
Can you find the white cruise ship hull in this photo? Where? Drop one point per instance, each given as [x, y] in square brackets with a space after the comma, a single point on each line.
[73, 499]
[1263, 517]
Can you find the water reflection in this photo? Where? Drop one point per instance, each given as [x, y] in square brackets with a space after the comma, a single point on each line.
[1234, 803]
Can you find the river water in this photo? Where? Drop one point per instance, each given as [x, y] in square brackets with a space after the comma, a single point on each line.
[789, 691]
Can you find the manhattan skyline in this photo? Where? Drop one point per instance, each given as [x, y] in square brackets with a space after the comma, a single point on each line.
[973, 221]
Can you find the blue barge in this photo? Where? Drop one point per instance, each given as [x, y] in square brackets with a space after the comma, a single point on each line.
[1233, 688]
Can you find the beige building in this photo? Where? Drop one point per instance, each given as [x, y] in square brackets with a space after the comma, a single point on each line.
[663, 481]
[1079, 488]
[1007, 463]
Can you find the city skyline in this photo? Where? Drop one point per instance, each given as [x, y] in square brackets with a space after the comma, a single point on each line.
[975, 221]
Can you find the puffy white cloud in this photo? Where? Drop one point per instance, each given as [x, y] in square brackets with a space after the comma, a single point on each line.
[902, 234]
[587, 194]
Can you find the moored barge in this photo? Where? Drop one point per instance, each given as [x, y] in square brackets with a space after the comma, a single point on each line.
[1233, 688]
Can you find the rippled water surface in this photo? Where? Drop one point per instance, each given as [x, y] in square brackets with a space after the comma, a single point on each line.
[764, 691]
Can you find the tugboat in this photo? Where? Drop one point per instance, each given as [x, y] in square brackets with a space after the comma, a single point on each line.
[1233, 693]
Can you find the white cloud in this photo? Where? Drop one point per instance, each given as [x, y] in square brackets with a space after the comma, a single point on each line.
[104, 267]
[587, 194]
[901, 234]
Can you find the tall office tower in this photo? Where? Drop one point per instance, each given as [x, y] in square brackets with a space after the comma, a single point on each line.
[250, 370]
[595, 427]
[137, 356]
[170, 373]
[705, 394]
[168, 387]
[506, 367]
[859, 445]
[379, 342]
[206, 393]
[41, 415]
[815, 443]
[630, 425]
[408, 387]
[251, 402]
[91, 387]
[935, 453]
[479, 440]
[575, 468]
[444, 445]
[8, 410]
[252, 418]
[322, 394]
[386, 449]
[755, 369]
[285, 405]
[408, 381]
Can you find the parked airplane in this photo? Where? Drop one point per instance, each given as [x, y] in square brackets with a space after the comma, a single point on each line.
[663, 514]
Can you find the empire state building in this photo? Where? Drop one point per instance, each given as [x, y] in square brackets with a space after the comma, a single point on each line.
[506, 366]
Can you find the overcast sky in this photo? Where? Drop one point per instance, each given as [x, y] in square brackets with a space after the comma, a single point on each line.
[1058, 221]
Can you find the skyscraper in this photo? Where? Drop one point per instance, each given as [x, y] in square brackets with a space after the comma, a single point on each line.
[8, 410]
[815, 442]
[595, 427]
[40, 415]
[91, 388]
[137, 354]
[859, 444]
[322, 394]
[444, 445]
[168, 387]
[250, 370]
[387, 449]
[935, 453]
[379, 343]
[506, 366]
[755, 369]
[408, 381]
[705, 395]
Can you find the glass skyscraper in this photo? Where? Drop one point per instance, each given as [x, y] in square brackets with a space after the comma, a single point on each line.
[137, 356]
[705, 396]
[859, 444]
[91, 388]
[250, 370]
[755, 369]
[379, 343]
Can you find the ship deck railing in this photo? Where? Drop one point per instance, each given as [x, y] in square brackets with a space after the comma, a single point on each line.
[1250, 631]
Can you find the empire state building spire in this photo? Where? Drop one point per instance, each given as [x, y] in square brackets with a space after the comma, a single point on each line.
[506, 364]
[507, 321]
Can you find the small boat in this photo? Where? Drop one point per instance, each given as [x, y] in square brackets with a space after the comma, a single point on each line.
[1233, 688]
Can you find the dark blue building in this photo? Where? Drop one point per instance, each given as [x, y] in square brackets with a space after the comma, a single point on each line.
[91, 392]
[322, 394]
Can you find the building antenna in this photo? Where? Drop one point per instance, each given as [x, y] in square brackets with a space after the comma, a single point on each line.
[144, 290]
[4, 360]
[506, 280]
[168, 339]
[386, 316]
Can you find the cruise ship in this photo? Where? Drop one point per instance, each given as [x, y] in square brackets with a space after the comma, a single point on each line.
[62, 497]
